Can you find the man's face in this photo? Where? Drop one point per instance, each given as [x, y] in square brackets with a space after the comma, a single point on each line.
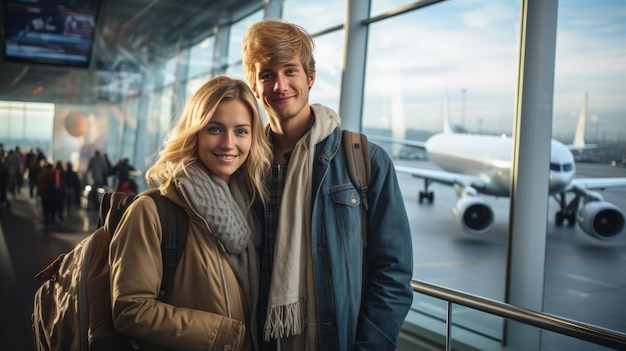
[283, 89]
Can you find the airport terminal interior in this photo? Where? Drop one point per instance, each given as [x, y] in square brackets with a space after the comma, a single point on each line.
[504, 120]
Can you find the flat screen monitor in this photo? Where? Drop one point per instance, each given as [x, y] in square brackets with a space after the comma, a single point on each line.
[55, 32]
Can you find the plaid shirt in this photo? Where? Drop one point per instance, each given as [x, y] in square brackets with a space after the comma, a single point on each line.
[276, 185]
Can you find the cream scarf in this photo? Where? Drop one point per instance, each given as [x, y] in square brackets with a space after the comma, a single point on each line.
[292, 305]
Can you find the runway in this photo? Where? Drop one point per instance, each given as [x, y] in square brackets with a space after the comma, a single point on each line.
[585, 278]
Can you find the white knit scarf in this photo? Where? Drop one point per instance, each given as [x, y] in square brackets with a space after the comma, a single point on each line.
[292, 305]
[223, 206]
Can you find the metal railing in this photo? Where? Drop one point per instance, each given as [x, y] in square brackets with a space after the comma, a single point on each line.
[581, 331]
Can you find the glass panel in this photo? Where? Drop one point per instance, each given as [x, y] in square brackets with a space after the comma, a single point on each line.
[415, 60]
[169, 70]
[201, 57]
[26, 124]
[584, 273]
[237, 32]
[315, 16]
[379, 7]
[555, 341]
[328, 61]
[458, 63]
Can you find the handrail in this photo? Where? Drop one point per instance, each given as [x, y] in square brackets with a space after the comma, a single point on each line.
[586, 332]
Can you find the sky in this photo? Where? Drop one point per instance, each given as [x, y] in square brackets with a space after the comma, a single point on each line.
[469, 49]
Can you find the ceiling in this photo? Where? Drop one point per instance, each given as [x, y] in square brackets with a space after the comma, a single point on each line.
[130, 34]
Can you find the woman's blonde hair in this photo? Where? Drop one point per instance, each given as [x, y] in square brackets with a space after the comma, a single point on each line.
[276, 41]
[180, 147]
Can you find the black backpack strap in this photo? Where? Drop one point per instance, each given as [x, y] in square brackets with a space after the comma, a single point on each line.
[112, 208]
[105, 205]
[174, 223]
[356, 150]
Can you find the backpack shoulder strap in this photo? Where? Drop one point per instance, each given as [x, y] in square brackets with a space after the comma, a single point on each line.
[356, 149]
[112, 207]
[174, 223]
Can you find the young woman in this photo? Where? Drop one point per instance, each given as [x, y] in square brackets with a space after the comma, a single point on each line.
[212, 164]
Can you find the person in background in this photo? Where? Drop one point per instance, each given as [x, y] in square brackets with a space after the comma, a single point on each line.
[212, 165]
[98, 170]
[45, 191]
[109, 168]
[321, 286]
[122, 181]
[72, 188]
[14, 163]
[59, 190]
[4, 182]
[34, 169]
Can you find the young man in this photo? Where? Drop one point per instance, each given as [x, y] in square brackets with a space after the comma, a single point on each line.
[322, 287]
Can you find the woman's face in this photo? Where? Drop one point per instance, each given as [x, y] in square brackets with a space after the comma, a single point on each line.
[224, 143]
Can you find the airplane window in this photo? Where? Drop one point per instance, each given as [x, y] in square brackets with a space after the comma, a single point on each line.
[568, 167]
[555, 167]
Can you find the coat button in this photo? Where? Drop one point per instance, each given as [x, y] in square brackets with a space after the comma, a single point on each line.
[227, 347]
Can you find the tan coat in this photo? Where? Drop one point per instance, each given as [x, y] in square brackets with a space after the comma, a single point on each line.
[206, 309]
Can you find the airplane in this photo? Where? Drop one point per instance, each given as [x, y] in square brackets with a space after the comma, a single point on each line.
[481, 164]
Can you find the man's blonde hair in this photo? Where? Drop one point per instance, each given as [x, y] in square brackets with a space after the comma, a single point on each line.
[276, 41]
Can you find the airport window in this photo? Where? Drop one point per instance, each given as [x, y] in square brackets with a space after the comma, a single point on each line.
[379, 7]
[26, 124]
[237, 31]
[583, 267]
[316, 16]
[328, 66]
[201, 57]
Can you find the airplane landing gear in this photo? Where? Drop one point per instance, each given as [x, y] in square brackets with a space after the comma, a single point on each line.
[426, 194]
[567, 211]
[561, 216]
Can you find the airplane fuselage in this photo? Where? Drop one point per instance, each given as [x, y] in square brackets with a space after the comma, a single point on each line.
[489, 158]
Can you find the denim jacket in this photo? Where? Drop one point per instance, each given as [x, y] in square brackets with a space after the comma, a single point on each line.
[363, 293]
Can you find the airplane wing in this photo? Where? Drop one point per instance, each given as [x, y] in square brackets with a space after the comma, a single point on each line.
[442, 177]
[598, 183]
[417, 144]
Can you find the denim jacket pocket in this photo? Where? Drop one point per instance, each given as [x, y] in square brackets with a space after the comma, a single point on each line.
[347, 206]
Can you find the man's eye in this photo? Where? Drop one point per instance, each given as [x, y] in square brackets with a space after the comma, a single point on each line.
[265, 77]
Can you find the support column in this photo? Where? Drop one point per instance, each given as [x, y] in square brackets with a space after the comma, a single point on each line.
[355, 53]
[530, 168]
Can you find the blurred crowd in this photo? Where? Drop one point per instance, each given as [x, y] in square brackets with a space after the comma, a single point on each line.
[57, 186]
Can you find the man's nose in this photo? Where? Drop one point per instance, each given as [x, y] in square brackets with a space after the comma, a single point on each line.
[281, 83]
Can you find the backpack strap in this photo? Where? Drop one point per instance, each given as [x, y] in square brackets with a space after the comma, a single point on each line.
[356, 150]
[112, 207]
[174, 223]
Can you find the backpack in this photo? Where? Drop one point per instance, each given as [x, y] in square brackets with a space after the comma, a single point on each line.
[72, 308]
[356, 150]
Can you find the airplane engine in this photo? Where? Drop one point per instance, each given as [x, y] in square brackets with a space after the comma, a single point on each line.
[601, 219]
[473, 214]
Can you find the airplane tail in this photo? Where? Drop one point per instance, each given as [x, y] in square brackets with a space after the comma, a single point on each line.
[447, 129]
[579, 137]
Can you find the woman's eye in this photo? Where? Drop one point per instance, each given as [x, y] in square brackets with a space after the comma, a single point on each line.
[242, 131]
[214, 130]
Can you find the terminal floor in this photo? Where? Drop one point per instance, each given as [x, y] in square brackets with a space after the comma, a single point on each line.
[26, 247]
